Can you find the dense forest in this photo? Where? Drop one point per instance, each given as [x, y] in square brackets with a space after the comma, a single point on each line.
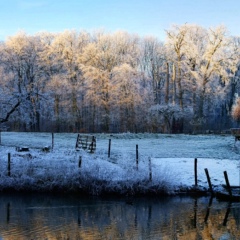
[120, 82]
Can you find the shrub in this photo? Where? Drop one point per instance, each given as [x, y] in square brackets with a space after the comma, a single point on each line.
[235, 113]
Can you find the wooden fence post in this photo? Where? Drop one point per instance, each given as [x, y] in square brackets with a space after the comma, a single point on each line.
[9, 164]
[209, 181]
[195, 212]
[195, 171]
[227, 213]
[80, 162]
[137, 156]
[227, 183]
[77, 142]
[52, 140]
[8, 212]
[150, 169]
[208, 209]
[109, 148]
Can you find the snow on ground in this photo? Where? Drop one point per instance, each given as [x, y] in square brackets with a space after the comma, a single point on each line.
[184, 169]
[172, 162]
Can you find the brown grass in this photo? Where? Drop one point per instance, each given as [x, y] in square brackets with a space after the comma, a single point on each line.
[236, 110]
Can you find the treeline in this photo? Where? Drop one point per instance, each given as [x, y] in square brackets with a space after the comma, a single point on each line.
[119, 82]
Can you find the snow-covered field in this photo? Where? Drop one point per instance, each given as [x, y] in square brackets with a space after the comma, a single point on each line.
[171, 159]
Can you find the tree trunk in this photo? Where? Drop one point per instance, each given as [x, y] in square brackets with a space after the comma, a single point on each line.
[56, 112]
[167, 84]
[174, 85]
[179, 79]
[201, 104]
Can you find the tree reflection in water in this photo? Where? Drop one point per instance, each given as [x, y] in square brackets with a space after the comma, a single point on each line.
[40, 216]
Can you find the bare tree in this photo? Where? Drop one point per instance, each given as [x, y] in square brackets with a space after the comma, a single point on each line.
[20, 61]
[213, 62]
[176, 40]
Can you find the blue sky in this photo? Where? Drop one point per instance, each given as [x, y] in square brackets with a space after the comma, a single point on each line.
[144, 17]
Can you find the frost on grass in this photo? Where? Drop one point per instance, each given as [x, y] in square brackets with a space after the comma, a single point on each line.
[60, 171]
[172, 164]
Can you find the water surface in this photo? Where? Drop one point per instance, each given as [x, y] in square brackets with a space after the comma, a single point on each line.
[41, 216]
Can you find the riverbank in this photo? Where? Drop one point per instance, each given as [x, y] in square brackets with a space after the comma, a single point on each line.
[63, 169]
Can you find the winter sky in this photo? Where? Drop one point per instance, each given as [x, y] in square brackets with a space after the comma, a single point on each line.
[144, 17]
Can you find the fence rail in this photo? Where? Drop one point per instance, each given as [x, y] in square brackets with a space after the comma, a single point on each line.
[86, 142]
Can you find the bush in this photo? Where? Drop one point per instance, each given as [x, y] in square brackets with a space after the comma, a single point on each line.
[236, 110]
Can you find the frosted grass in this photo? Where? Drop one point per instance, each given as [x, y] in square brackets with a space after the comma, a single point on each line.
[172, 163]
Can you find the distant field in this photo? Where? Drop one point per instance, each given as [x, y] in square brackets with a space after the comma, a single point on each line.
[154, 145]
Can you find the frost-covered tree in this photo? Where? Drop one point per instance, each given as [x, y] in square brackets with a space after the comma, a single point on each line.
[61, 56]
[214, 63]
[81, 81]
[98, 60]
[153, 65]
[165, 116]
[176, 41]
[234, 81]
[22, 68]
[9, 98]
[204, 63]
[96, 72]
[125, 97]
[65, 49]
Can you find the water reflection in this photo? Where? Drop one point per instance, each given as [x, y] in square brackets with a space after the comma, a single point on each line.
[57, 217]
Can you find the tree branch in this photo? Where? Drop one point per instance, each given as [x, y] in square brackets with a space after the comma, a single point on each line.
[14, 108]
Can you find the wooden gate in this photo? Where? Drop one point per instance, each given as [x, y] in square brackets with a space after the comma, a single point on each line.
[86, 142]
